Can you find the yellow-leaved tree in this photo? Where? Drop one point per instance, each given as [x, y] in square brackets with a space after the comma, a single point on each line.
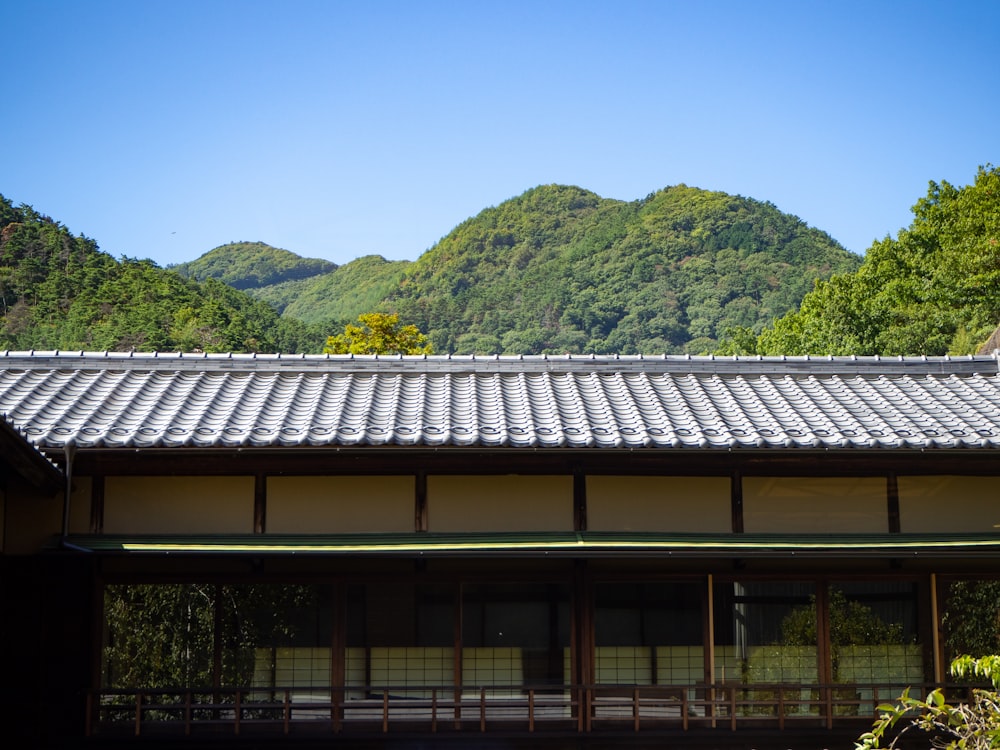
[379, 333]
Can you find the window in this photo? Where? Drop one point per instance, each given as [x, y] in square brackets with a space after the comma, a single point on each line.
[648, 633]
[765, 632]
[400, 638]
[515, 635]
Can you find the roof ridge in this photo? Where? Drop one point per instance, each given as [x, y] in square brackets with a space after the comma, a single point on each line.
[751, 365]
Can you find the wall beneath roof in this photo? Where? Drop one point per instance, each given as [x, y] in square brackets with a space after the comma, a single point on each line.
[500, 503]
[946, 504]
[815, 505]
[677, 504]
[340, 505]
[175, 505]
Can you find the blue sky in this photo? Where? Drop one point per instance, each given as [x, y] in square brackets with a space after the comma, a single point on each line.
[164, 128]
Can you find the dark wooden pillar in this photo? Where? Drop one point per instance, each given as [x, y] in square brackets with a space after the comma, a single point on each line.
[259, 503]
[736, 498]
[97, 504]
[579, 500]
[892, 502]
[420, 522]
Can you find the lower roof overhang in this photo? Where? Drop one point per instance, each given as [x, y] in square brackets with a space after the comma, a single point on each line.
[550, 544]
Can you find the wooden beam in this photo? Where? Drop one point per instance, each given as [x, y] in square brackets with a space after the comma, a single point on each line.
[462, 461]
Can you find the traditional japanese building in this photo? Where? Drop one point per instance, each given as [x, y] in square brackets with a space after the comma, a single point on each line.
[574, 551]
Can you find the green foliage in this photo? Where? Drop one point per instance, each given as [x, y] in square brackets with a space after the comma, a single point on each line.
[58, 291]
[933, 290]
[559, 269]
[378, 334]
[163, 635]
[251, 265]
[971, 617]
[352, 289]
[851, 624]
[974, 725]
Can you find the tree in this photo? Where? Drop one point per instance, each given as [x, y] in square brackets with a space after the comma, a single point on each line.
[934, 289]
[851, 624]
[379, 333]
[964, 726]
[971, 617]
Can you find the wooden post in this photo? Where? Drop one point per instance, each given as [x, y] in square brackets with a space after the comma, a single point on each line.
[420, 521]
[892, 501]
[97, 504]
[138, 712]
[708, 636]
[936, 632]
[635, 709]
[579, 500]
[338, 650]
[259, 503]
[482, 709]
[457, 661]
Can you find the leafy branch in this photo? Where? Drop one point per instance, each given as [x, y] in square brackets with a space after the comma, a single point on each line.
[964, 726]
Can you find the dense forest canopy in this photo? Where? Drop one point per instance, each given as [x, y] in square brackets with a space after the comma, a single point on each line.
[59, 291]
[934, 289]
[556, 269]
[560, 269]
[248, 265]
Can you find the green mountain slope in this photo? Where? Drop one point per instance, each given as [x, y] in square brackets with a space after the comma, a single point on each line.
[352, 289]
[556, 269]
[560, 269]
[934, 289]
[251, 265]
[59, 291]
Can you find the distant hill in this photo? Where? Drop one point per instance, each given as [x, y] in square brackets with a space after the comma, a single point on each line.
[556, 269]
[560, 269]
[352, 289]
[252, 265]
[59, 291]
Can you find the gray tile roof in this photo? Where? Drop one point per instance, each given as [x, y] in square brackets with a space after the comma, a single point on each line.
[122, 400]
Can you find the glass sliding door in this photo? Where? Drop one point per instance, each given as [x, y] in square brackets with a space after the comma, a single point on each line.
[515, 635]
[648, 633]
[765, 632]
[277, 636]
[400, 639]
[874, 640]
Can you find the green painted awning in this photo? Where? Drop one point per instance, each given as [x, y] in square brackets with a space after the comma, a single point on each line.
[543, 544]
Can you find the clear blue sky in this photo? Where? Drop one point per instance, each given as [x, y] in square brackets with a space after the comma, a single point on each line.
[164, 128]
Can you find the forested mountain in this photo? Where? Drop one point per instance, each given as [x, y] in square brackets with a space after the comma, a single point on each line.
[934, 289]
[352, 289]
[560, 269]
[556, 269]
[59, 291]
[277, 277]
[251, 265]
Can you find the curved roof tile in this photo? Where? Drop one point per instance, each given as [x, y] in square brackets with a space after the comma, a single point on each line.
[119, 400]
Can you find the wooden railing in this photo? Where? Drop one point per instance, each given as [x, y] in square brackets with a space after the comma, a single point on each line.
[539, 708]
